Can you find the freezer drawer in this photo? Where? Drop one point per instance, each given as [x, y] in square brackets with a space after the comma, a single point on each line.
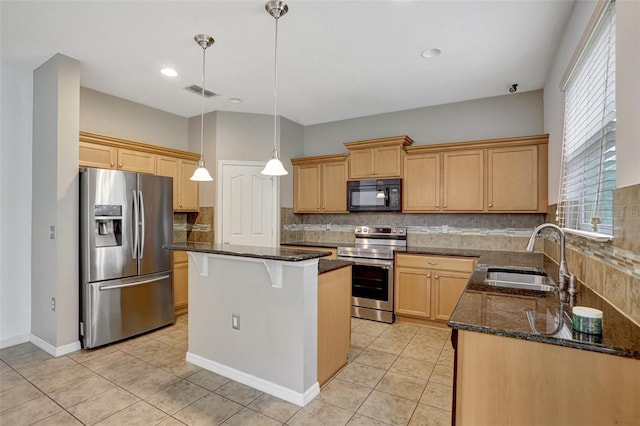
[117, 309]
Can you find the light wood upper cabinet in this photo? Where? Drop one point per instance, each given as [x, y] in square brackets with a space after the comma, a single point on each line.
[185, 191]
[512, 178]
[496, 175]
[377, 158]
[118, 154]
[320, 184]
[428, 287]
[421, 186]
[130, 160]
[98, 156]
[463, 181]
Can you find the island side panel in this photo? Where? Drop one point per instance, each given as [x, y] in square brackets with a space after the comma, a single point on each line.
[277, 339]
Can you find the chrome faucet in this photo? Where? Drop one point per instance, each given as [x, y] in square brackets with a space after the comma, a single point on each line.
[563, 273]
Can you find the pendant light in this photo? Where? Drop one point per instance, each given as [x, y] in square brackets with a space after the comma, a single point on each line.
[201, 174]
[274, 167]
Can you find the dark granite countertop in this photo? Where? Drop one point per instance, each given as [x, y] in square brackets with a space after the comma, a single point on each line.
[328, 265]
[501, 311]
[316, 244]
[272, 253]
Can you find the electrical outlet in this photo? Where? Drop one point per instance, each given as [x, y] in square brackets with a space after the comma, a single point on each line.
[52, 232]
[235, 321]
[53, 304]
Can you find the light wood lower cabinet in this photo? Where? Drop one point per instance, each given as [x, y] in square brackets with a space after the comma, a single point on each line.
[180, 282]
[333, 255]
[427, 288]
[508, 381]
[334, 322]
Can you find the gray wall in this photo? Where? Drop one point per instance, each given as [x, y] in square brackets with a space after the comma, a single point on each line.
[209, 144]
[502, 116]
[112, 116]
[291, 146]
[54, 270]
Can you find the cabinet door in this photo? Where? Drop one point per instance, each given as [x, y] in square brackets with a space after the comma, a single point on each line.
[169, 166]
[362, 164]
[180, 282]
[387, 162]
[447, 289]
[189, 190]
[334, 187]
[512, 178]
[306, 183]
[136, 161]
[421, 184]
[99, 156]
[463, 180]
[413, 292]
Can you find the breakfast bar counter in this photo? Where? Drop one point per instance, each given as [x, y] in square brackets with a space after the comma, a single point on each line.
[253, 316]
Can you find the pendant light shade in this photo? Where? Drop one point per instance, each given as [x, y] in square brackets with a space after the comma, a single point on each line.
[201, 174]
[274, 167]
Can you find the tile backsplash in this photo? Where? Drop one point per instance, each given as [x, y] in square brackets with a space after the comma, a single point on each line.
[194, 227]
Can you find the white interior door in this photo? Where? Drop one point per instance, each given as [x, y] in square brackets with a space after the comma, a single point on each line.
[247, 205]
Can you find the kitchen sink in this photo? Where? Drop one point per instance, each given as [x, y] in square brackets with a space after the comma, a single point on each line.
[524, 279]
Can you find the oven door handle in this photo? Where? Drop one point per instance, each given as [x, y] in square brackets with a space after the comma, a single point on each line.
[384, 264]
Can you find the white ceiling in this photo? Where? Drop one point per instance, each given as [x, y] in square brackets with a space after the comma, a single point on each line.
[336, 59]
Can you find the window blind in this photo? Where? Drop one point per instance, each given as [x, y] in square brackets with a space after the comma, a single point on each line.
[588, 176]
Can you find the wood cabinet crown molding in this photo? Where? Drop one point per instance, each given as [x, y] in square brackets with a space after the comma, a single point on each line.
[137, 146]
[479, 144]
[404, 140]
[319, 159]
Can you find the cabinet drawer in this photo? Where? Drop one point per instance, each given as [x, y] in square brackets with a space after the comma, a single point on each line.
[447, 263]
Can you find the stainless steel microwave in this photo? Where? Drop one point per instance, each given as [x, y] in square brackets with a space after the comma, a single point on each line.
[374, 195]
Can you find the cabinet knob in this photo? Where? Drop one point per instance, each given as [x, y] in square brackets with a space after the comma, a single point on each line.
[437, 205]
[436, 277]
[111, 164]
[445, 206]
[373, 173]
[490, 204]
[428, 275]
[120, 166]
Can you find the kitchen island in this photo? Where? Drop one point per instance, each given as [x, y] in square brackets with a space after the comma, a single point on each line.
[253, 316]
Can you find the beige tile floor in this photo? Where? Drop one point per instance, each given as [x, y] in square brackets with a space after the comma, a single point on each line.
[397, 374]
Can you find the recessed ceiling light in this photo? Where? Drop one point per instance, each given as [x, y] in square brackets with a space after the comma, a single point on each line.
[169, 72]
[431, 53]
[235, 100]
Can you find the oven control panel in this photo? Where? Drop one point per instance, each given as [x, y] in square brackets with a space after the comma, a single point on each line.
[380, 230]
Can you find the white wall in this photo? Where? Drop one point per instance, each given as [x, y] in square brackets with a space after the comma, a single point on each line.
[54, 262]
[519, 114]
[112, 116]
[627, 91]
[16, 92]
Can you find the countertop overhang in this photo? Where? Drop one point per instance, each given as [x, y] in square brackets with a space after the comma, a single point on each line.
[271, 253]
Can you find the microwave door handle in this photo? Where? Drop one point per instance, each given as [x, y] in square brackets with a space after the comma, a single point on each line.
[386, 197]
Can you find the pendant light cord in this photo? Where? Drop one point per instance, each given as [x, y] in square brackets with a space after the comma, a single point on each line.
[275, 94]
[204, 53]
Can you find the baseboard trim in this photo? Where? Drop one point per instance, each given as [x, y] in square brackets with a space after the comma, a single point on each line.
[297, 398]
[53, 350]
[15, 340]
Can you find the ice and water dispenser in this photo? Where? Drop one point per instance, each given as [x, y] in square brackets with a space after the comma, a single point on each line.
[108, 226]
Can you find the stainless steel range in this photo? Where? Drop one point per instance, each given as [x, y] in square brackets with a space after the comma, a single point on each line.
[372, 277]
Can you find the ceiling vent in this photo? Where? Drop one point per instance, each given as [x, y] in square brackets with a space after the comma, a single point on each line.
[198, 91]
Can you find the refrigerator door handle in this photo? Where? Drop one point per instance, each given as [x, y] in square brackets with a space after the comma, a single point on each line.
[141, 223]
[134, 246]
[151, 280]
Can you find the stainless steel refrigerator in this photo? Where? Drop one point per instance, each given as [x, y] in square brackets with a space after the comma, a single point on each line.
[125, 274]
